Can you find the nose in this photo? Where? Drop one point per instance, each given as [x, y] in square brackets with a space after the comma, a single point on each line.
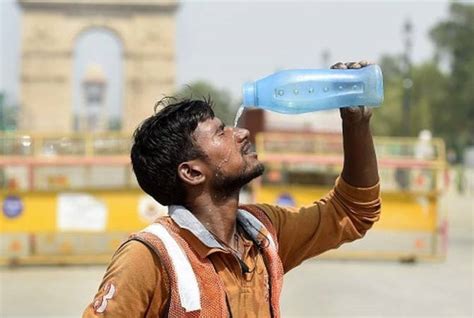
[241, 134]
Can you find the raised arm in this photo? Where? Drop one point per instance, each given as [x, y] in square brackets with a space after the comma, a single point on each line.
[348, 211]
[360, 162]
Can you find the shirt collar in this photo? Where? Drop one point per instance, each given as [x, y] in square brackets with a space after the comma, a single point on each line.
[186, 220]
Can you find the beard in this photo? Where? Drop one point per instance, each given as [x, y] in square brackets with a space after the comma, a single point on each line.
[228, 185]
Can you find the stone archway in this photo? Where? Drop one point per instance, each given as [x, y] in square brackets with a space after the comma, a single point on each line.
[49, 30]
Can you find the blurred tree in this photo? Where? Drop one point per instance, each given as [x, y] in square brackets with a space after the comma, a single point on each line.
[8, 115]
[115, 124]
[454, 39]
[387, 120]
[441, 102]
[427, 98]
[224, 108]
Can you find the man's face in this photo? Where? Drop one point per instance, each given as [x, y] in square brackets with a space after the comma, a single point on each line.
[231, 159]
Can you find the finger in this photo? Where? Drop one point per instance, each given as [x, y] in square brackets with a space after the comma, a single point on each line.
[350, 110]
[339, 65]
[353, 65]
[367, 112]
[363, 63]
[356, 109]
[349, 64]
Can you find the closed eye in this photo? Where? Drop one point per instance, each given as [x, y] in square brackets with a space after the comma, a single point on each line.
[220, 130]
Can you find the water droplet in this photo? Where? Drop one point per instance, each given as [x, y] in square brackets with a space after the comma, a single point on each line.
[296, 91]
[281, 92]
[354, 87]
[340, 87]
[311, 90]
[326, 89]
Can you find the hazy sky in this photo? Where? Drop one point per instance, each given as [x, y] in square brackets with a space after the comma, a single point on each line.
[230, 42]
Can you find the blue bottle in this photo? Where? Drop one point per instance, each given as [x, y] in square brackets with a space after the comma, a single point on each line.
[302, 91]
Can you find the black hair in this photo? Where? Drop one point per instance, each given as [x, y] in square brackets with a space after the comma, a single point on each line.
[165, 140]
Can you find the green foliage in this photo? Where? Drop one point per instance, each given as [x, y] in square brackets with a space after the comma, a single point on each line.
[115, 124]
[387, 120]
[8, 115]
[224, 108]
[454, 39]
[428, 98]
[440, 102]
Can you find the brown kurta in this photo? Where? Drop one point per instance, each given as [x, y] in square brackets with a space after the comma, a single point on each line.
[141, 290]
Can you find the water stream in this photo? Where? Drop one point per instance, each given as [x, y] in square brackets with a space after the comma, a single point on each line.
[239, 113]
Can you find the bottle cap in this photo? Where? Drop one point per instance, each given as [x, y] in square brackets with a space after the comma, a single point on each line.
[248, 94]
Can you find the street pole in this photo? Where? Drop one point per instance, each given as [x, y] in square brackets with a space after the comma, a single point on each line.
[407, 78]
[325, 56]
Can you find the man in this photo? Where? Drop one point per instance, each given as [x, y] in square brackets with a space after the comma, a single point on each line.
[210, 257]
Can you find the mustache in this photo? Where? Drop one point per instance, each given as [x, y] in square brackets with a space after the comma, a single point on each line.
[247, 147]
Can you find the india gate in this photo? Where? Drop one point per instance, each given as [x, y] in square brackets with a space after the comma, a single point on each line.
[50, 29]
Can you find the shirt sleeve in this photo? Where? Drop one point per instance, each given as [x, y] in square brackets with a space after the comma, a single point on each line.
[343, 215]
[132, 285]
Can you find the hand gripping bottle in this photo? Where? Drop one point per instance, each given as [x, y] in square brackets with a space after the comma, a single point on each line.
[302, 91]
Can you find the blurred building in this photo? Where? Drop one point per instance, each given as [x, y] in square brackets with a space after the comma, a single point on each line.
[50, 29]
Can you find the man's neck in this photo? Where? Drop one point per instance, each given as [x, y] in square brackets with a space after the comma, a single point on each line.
[218, 216]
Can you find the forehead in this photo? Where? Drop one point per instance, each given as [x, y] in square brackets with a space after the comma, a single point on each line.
[207, 127]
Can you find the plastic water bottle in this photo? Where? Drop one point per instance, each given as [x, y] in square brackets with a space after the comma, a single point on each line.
[302, 91]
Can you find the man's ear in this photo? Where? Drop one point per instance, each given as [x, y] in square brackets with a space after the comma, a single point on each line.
[191, 172]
